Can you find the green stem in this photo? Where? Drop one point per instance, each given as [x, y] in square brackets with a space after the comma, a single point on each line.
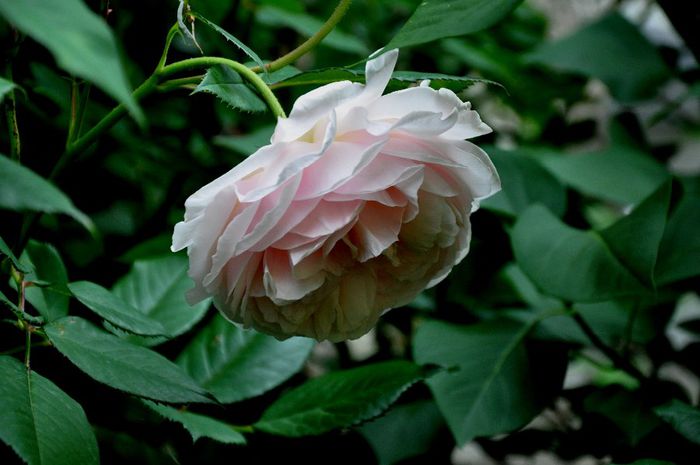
[105, 123]
[150, 84]
[173, 84]
[73, 121]
[247, 74]
[83, 109]
[311, 42]
[11, 116]
[608, 351]
[174, 29]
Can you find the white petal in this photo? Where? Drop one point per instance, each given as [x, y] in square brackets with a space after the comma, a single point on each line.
[204, 236]
[312, 107]
[399, 104]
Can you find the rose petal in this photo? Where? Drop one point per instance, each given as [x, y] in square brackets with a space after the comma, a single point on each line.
[313, 106]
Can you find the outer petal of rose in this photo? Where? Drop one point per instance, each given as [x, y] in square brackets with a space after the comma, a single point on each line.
[226, 245]
[340, 163]
[418, 123]
[377, 228]
[279, 281]
[377, 74]
[468, 162]
[203, 233]
[313, 106]
[397, 105]
[291, 159]
[481, 176]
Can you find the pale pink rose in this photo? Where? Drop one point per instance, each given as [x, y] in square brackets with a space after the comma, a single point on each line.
[360, 202]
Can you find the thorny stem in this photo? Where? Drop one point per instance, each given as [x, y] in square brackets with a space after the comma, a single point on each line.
[247, 73]
[311, 42]
[11, 117]
[28, 328]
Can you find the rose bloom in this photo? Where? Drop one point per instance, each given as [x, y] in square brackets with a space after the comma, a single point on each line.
[360, 202]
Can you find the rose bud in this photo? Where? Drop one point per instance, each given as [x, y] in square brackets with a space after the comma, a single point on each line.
[360, 202]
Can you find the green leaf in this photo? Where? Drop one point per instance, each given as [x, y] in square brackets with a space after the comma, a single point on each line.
[231, 38]
[41, 423]
[339, 399]
[621, 173]
[7, 251]
[307, 26]
[567, 262]
[246, 144]
[684, 418]
[121, 365]
[679, 254]
[6, 86]
[48, 267]
[156, 288]
[115, 310]
[524, 182]
[626, 410]
[228, 85]
[609, 319]
[199, 426]
[488, 388]
[399, 79]
[612, 50]
[635, 238]
[80, 40]
[436, 19]
[404, 431]
[235, 364]
[21, 189]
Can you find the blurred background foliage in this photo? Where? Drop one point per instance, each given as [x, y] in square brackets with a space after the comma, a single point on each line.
[595, 121]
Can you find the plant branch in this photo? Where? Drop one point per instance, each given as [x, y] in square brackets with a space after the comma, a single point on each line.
[608, 351]
[174, 29]
[150, 84]
[247, 74]
[11, 117]
[311, 42]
